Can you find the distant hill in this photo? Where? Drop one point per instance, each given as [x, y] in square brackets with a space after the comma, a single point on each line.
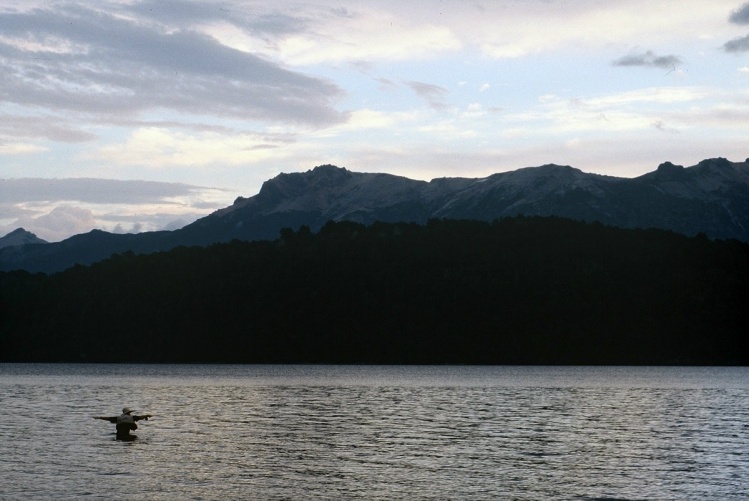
[20, 237]
[711, 198]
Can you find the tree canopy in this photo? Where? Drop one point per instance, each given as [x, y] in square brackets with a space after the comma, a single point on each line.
[523, 290]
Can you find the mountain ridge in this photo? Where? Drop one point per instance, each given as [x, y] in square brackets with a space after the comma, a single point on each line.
[711, 198]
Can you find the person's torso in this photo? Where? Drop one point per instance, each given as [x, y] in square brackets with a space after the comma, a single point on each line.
[125, 419]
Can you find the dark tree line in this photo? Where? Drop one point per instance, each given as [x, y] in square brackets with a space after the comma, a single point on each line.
[516, 291]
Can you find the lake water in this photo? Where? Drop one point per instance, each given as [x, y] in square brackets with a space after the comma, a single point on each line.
[352, 432]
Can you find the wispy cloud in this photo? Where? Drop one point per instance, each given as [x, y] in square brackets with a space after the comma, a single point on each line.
[740, 15]
[79, 59]
[19, 148]
[740, 44]
[648, 59]
[161, 147]
[90, 190]
[190, 12]
[48, 126]
[432, 94]
[617, 113]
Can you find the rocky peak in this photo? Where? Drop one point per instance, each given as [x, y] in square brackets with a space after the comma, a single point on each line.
[666, 167]
[20, 237]
[708, 176]
[330, 171]
[669, 171]
[720, 173]
[549, 178]
[295, 184]
[715, 163]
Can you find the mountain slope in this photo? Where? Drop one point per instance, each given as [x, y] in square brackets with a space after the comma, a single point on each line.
[20, 237]
[711, 198]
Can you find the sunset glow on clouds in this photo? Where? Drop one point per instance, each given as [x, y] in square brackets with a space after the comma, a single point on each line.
[216, 97]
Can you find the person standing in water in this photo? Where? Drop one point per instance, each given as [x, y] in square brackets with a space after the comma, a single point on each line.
[125, 422]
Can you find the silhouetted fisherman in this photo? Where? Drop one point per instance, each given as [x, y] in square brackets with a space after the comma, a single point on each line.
[125, 422]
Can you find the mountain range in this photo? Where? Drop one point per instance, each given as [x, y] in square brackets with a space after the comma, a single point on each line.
[710, 198]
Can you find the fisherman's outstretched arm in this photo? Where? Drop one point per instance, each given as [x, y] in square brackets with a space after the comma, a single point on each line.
[138, 418]
[107, 418]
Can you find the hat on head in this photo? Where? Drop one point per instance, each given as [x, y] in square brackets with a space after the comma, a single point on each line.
[127, 410]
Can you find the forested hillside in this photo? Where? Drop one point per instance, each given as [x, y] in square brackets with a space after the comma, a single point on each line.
[524, 290]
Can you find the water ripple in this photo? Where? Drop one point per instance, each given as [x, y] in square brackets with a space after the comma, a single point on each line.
[366, 433]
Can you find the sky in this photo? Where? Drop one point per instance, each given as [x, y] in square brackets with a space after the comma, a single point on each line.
[133, 116]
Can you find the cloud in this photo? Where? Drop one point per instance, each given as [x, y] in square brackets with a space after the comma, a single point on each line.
[648, 59]
[474, 110]
[181, 12]
[164, 147]
[740, 15]
[45, 126]
[55, 209]
[618, 113]
[79, 59]
[14, 148]
[55, 223]
[664, 127]
[377, 32]
[307, 33]
[59, 223]
[653, 95]
[385, 83]
[740, 44]
[96, 191]
[725, 115]
[372, 119]
[533, 27]
[432, 94]
[178, 12]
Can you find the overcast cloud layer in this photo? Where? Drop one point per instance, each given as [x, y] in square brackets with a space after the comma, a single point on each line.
[181, 95]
